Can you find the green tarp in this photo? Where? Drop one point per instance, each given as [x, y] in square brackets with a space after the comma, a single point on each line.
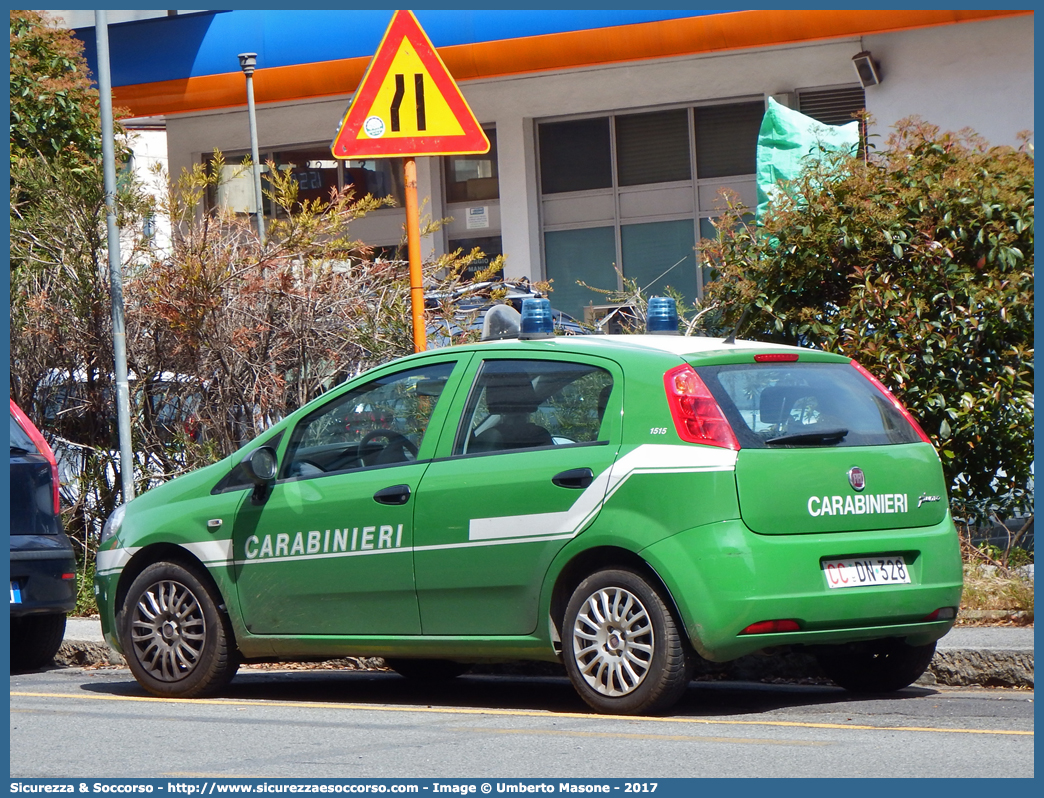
[787, 139]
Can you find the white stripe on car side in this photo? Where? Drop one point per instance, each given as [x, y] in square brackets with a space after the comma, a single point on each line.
[500, 530]
[208, 552]
[646, 459]
[114, 560]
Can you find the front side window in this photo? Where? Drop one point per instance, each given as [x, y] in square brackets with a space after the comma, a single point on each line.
[314, 171]
[379, 423]
[316, 174]
[805, 404]
[380, 177]
[525, 404]
[472, 178]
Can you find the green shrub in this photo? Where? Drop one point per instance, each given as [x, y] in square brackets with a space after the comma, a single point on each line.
[918, 263]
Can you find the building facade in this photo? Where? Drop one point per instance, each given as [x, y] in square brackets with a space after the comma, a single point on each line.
[612, 131]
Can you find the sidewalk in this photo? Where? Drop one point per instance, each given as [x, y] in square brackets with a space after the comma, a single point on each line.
[993, 656]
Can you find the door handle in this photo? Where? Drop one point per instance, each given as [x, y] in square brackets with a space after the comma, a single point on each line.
[396, 494]
[576, 478]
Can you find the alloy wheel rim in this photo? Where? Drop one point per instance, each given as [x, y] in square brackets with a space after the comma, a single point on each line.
[613, 642]
[168, 631]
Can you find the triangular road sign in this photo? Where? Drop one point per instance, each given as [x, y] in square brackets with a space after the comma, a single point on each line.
[407, 103]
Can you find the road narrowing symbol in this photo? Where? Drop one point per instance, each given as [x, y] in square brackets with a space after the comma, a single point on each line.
[407, 103]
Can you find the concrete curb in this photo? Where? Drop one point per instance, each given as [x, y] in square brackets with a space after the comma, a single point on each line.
[1004, 660]
[989, 668]
[86, 653]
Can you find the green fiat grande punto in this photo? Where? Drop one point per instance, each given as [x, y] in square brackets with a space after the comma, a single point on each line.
[622, 504]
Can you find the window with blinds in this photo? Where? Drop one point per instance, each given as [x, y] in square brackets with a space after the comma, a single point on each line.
[653, 148]
[575, 156]
[727, 139]
[650, 181]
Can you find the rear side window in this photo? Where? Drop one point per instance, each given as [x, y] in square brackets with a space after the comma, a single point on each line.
[805, 404]
[525, 404]
[20, 438]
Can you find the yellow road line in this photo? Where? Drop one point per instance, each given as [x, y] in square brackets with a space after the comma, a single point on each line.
[523, 713]
[678, 738]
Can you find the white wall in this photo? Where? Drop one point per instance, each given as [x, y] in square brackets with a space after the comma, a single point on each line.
[149, 147]
[975, 74]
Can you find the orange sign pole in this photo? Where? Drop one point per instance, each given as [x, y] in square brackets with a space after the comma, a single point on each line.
[420, 334]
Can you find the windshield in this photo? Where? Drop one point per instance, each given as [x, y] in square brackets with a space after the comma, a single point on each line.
[805, 404]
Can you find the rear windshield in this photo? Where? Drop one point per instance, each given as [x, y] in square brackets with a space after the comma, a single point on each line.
[20, 438]
[805, 404]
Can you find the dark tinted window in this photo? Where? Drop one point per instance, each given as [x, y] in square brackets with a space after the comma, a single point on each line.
[574, 156]
[20, 438]
[805, 404]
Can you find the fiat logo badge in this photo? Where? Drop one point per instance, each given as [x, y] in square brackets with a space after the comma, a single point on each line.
[856, 478]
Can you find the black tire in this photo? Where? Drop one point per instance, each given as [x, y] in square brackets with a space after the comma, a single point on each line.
[880, 666]
[35, 639]
[175, 634]
[427, 670]
[621, 645]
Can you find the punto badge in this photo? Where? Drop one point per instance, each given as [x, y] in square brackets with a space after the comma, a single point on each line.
[856, 478]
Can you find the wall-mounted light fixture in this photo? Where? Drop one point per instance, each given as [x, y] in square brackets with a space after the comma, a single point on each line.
[866, 69]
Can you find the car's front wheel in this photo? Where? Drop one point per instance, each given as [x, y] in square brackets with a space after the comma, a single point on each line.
[35, 639]
[622, 649]
[176, 637]
[881, 666]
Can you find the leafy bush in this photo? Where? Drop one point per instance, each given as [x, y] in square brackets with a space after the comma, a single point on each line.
[917, 261]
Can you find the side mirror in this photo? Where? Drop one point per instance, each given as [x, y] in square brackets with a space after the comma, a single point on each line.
[261, 466]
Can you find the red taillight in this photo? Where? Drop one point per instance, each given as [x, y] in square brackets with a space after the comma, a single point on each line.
[777, 357]
[770, 627]
[68, 577]
[942, 614]
[906, 413]
[41, 444]
[697, 417]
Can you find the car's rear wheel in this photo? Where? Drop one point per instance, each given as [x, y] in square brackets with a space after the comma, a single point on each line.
[881, 666]
[622, 648]
[176, 636]
[35, 639]
[427, 670]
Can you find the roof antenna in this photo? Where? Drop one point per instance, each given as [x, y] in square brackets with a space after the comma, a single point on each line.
[732, 336]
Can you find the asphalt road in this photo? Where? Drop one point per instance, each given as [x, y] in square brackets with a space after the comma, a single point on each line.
[99, 723]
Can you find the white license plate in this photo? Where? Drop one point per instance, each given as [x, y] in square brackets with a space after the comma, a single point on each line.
[866, 572]
[16, 593]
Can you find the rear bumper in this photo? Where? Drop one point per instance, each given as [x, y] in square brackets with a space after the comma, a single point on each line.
[723, 577]
[37, 583]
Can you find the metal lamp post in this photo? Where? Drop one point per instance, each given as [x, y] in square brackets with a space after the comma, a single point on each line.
[119, 333]
[248, 62]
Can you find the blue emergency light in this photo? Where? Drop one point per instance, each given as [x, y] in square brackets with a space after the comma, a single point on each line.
[536, 319]
[662, 316]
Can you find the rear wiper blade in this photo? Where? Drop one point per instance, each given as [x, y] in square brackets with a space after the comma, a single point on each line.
[18, 450]
[819, 436]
